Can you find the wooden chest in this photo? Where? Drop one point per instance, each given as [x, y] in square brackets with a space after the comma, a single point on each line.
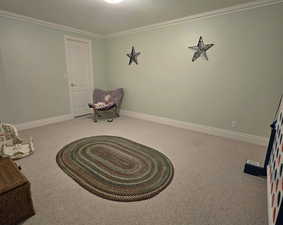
[15, 197]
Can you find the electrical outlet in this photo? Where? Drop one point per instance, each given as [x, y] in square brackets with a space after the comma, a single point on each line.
[234, 124]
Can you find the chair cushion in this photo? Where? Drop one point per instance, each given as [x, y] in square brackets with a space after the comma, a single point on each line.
[103, 105]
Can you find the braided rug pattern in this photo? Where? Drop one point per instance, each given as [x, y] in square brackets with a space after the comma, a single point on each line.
[116, 168]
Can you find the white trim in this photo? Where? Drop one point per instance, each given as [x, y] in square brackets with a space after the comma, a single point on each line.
[239, 136]
[156, 26]
[67, 74]
[55, 26]
[209, 14]
[89, 42]
[84, 40]
[43, 122]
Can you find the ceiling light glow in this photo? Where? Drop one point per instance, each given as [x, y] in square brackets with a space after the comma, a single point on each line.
[113, 1]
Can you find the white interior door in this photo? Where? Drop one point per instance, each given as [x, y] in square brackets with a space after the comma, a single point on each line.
[79, 66]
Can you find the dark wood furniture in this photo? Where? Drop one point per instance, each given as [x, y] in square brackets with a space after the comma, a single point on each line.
[15, 197]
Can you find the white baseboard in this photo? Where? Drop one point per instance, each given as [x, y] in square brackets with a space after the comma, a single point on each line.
[162, 120]
[199, 128]
[39, 123]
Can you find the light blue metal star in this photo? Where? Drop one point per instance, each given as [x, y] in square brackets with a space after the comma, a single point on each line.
[200, 49]
[133, 56]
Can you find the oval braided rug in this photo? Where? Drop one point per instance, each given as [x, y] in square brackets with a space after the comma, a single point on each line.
[116, 168]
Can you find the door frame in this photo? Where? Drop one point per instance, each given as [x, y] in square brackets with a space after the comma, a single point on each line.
[89, 42]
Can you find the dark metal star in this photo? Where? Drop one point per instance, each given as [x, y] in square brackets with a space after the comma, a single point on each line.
[200, 49]
[133, 56]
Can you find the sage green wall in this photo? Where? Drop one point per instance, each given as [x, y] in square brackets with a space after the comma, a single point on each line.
[242, 81]
[32, 69]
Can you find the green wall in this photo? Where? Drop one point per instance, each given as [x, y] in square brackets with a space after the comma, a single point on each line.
[242, 81]
[33, 84]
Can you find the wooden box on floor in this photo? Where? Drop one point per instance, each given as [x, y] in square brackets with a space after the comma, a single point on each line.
[15, 197]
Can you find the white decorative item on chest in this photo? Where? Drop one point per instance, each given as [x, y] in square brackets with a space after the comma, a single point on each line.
[11, 145]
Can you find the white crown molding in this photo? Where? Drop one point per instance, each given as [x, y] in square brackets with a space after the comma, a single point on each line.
[43, 122]
[239, 136]
[214, 13]
[54, 26]
[156, 26]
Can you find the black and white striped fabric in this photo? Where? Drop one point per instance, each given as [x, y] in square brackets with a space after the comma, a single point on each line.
[275, 174]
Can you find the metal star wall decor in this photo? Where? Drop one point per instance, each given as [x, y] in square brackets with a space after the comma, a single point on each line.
[200, 49]
[133, 56]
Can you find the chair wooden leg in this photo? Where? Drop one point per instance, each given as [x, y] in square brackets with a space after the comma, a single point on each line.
[116, 112]
[94, 116]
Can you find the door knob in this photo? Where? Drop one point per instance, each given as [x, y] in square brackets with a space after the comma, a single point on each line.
[73, 85]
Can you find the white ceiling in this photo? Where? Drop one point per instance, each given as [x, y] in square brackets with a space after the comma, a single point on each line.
[100, 17]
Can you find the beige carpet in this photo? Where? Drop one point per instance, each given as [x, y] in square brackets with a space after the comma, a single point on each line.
[208, 188]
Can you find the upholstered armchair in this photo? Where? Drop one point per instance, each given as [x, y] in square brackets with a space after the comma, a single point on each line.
[106, 101]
